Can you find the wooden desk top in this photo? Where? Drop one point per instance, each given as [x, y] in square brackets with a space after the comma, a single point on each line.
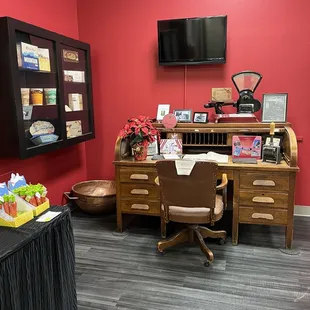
[202, 137]
[261, 166]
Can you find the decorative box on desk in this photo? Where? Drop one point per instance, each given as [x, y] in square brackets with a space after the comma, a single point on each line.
[45, 88]
[263, 192]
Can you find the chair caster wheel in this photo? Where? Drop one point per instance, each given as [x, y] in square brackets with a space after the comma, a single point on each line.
[222, 241]
[161, 252]
[206, 264]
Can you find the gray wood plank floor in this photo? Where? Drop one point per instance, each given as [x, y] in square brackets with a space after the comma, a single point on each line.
[126, 272]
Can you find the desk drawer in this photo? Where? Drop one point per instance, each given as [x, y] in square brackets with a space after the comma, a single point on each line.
[138, 175]
[140, 206]
[138, 190]
[258, 215]
[263, 199]
[266, 181]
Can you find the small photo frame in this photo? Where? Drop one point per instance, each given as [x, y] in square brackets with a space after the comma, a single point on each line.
[152, 148]
[183, 116]
[274, 108]
[200, 117]
[171, 146]
[162, 110]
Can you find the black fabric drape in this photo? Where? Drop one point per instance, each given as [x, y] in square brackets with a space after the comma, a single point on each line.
[37, 265]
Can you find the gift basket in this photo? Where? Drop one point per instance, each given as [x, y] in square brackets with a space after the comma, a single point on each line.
[34, 195]
[14, 211]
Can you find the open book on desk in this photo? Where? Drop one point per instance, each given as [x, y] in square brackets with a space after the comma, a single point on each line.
[219, 158]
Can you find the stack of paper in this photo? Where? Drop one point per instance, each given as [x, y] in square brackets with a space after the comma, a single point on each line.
[219, 158]
[171, 156]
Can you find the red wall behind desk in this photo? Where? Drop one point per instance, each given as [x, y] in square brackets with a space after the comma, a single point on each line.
[271, 37]
[61, 169]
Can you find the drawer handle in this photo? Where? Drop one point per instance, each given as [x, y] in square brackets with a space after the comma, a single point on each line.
[263, 199]
[139, 206]
[264, 183]
[138, 191]
[139, 177]
[264, 216]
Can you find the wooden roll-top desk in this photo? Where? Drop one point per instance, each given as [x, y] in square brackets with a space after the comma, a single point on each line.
[263, 193]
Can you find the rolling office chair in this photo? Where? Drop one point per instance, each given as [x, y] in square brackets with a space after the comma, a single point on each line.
[192, 200]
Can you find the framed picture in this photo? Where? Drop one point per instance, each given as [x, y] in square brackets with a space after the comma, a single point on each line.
[162, 110]
[201, 117]
[152, 148]
[274, 108]
[171, 146]
[183, 116]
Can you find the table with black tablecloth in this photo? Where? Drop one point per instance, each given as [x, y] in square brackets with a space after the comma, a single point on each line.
[37, 265]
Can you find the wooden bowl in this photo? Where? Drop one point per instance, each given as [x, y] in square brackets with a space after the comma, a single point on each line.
[96, 196]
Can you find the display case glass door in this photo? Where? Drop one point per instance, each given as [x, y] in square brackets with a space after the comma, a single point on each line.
[39, 90]
[76, 91]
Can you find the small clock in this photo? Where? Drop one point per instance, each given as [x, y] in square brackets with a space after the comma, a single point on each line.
[169, 120]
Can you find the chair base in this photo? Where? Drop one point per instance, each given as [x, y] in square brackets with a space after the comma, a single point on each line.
[194, 233]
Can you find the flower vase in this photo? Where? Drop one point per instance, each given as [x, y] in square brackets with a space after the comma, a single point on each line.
[140, 150]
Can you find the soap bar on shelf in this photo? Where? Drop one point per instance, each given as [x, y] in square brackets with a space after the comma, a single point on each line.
[76, 102]
[74, 76]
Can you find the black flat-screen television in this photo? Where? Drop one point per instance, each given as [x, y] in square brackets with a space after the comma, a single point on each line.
[192, 41]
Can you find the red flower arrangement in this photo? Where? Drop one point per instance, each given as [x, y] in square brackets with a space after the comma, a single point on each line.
[140, 132]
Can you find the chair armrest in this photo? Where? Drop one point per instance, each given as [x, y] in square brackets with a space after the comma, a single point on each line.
[224, 182]
[163, 212]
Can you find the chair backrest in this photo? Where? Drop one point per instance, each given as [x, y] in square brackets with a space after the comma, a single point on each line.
[195, 190]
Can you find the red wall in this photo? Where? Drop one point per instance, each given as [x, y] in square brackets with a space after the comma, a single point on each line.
[61, 169]
[270, 37]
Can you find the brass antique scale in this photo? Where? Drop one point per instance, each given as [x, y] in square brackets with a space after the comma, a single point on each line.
[246, 82]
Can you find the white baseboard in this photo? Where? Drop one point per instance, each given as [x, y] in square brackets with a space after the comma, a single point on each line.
[302, 211]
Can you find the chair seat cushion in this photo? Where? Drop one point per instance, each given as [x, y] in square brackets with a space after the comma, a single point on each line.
[196, 215]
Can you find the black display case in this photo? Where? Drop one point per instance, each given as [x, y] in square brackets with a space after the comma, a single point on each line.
[45, 90]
